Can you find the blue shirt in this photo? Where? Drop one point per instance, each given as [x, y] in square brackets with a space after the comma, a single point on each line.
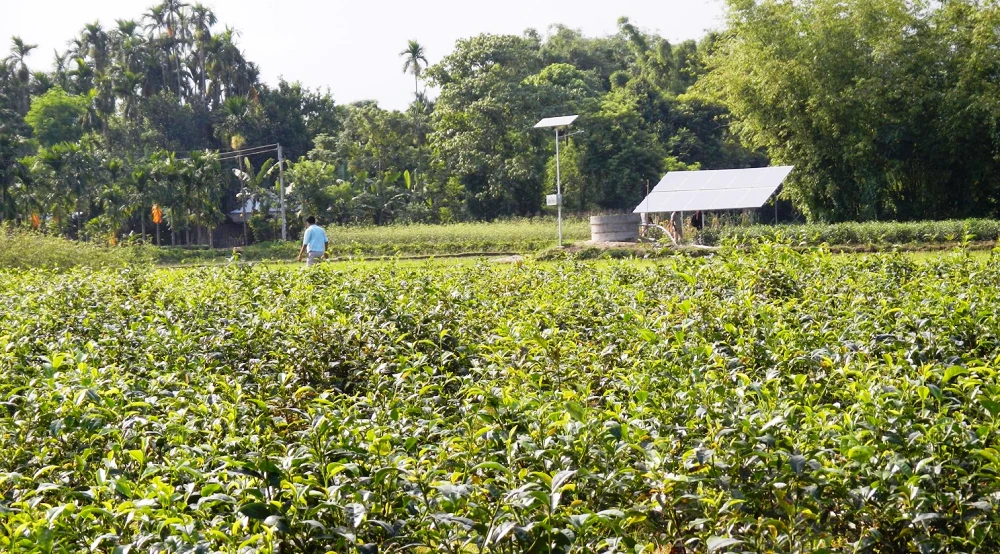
[314, 239]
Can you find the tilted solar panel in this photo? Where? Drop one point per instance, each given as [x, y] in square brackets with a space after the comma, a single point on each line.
[560, 121]
[722, 189]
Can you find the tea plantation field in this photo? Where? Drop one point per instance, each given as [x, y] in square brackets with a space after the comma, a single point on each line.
[758, 401]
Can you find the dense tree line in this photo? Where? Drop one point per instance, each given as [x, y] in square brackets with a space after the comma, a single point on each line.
[888, 109]
[126, 127]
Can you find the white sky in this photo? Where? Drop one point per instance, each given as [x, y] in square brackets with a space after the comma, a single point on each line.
[352, 46]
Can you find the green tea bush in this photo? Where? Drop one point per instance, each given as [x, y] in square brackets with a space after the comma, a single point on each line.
[21, 249]
[869, 233]
[518, 235]
[500, 237]
[261, 251]
[762, 400]
[514, 229]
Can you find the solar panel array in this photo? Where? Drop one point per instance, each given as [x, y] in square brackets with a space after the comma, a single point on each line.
[725, 189]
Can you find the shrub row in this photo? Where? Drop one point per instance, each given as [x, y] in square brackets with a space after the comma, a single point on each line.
[26, 249]
[852, 233]
[500, 237]
[21, 249]
[762, 400]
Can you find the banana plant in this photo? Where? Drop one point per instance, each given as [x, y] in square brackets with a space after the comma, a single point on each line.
[254, 188]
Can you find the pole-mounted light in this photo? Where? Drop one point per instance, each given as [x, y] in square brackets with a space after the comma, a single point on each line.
[557, 123]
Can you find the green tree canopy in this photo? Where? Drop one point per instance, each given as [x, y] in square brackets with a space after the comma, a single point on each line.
[483, 119]
[887, 108]
[57, 117]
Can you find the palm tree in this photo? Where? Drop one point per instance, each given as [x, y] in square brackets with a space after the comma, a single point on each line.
[380, 197]
[127, 28]
[138, 186]
[13, 173]
[202, 19]
[75, 50]
[225, 67]
[6, 75]
[114, 195]
[60, 72]
[414, 55]
[76, 171]
[126, 84]
[152, 69]
[82, 77]
[127, 72]
[230, 130]
[41, 82]
[205, 173]
[18, 52]
[254, 189]
[166, 190]
[94, 43]
[176, 30]
[128, 41]
[157, 20]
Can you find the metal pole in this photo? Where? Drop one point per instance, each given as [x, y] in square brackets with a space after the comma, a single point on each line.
[281, 194]
[558, 188]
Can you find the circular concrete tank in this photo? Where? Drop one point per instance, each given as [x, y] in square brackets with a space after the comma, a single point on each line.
[614, 228]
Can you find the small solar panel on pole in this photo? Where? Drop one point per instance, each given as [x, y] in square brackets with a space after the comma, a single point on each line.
[557, 123]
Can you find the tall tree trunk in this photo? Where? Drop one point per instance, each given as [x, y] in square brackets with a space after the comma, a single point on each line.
[201, 70]
[142, 226]
[416, 108]
[177, 56]
[176, 51]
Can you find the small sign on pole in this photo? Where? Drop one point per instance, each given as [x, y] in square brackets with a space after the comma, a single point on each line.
[553, 200]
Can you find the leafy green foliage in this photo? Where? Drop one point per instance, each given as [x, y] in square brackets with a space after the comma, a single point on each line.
[624, 88]
[313, 184]
[57, 117]
[883, 106]
[482, 138]
[13, 173]
[174, 83]
[21, 249]
[758, 401]
[498, 237]
[887, 108]
[870, 233]
[374, 141]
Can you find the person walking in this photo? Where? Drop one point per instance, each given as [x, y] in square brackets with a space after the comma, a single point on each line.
[313, 243]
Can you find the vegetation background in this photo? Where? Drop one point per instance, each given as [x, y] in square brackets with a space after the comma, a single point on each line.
[888, 109]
